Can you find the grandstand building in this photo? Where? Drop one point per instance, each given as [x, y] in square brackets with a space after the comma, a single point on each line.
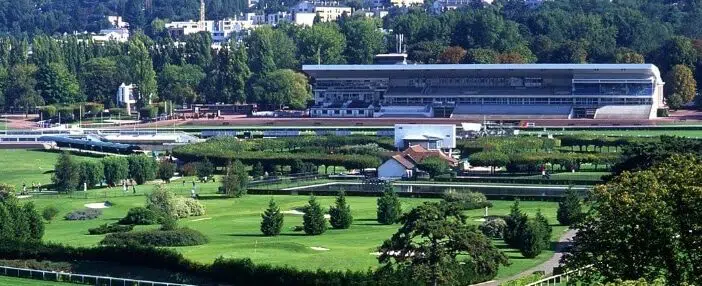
[494, 91]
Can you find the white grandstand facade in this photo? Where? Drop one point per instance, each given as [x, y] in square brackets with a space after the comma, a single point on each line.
[495, 91]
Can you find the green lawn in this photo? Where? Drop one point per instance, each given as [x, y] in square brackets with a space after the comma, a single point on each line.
[27, 166]
[623, 133]
[232, 226]
[4, 280]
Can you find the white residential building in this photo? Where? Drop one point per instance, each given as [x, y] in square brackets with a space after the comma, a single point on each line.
[327, 11]
[126, 96]
[279, 17]
[118, 35]
[406, 3]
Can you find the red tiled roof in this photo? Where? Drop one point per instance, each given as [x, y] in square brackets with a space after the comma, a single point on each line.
[417, 154]
[404, 162]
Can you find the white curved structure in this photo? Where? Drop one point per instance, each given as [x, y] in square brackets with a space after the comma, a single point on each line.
[491, 90]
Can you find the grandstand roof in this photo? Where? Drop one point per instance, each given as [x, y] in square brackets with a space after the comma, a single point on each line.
[387, 70]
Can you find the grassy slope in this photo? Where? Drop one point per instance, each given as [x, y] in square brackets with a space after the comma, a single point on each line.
[233, 228]
[28, 282]
[28, 166]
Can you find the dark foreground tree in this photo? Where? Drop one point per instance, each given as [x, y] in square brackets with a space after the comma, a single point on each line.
[645, 224]
[389, 207]
[531, 239]
[340, 215]
[569, 209]
[271, 220]
[435, 246]
[313, 221]
[166, 170]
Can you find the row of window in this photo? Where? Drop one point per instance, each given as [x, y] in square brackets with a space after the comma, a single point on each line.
[338, 112]
[520, 100]
[635, 89]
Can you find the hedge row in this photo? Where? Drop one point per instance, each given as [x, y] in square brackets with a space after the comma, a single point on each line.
[177, 237]
[530, 162]
[507, 144]
[110, 228]
[600, 141]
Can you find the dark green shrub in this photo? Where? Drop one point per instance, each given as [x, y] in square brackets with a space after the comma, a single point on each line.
[84, 214]
[178, 237]
[139, 216]
[168, 223]
[49, 213]
[493, 228]
[515, 225]
[110, 228]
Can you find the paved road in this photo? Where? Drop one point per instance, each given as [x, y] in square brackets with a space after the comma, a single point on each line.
[548, 265]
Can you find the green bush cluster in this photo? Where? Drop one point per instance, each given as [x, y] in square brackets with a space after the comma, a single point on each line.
[140, 216]
[493, 228]
[110, 228]
[49, 213]
[84, 214]
[177, 237]
[507, 145]
[163, 202]
[467, 200]
[532, 162]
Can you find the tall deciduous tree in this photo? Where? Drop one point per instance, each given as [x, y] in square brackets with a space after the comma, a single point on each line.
[323, 43]
[35, 224]
[270, 49]
[198, 49]
[645, 224]
[282, 87]
[56, 84]
[65, 176]
[364, 39]
[271, 220]
[226, 80]
[142, 71]
[179, 83]
[313, 220]
[681, 81]
[99, 80]
[115, 169]
[435, 246]
[21, 88]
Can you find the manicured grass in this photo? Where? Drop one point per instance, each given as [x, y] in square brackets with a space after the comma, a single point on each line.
[4, 280]
[232, 226]
[624, 133]
[27, 166]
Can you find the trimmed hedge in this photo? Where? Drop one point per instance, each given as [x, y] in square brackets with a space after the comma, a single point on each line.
[178, 237]
[84, 214]
[282, 151]
[110, 228]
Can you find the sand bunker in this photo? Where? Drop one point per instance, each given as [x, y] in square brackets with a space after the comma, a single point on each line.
[293, 212]
[201, 219]
[24, 196]
[96, 206]
[319, 248]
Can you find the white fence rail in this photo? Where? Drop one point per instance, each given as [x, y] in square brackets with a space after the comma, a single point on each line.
[560, 279]
[78, 278]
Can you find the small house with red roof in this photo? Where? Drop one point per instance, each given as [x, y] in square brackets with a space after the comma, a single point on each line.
[404, 164]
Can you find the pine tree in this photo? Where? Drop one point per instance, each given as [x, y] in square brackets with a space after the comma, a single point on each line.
[340, 215]
[272, 220]
[389, 207]
[515, 224]
[314, 222]
[35, 224]
[546, 227]
[65, 177]
[257, 170]
[531, 239]
[569, 209]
